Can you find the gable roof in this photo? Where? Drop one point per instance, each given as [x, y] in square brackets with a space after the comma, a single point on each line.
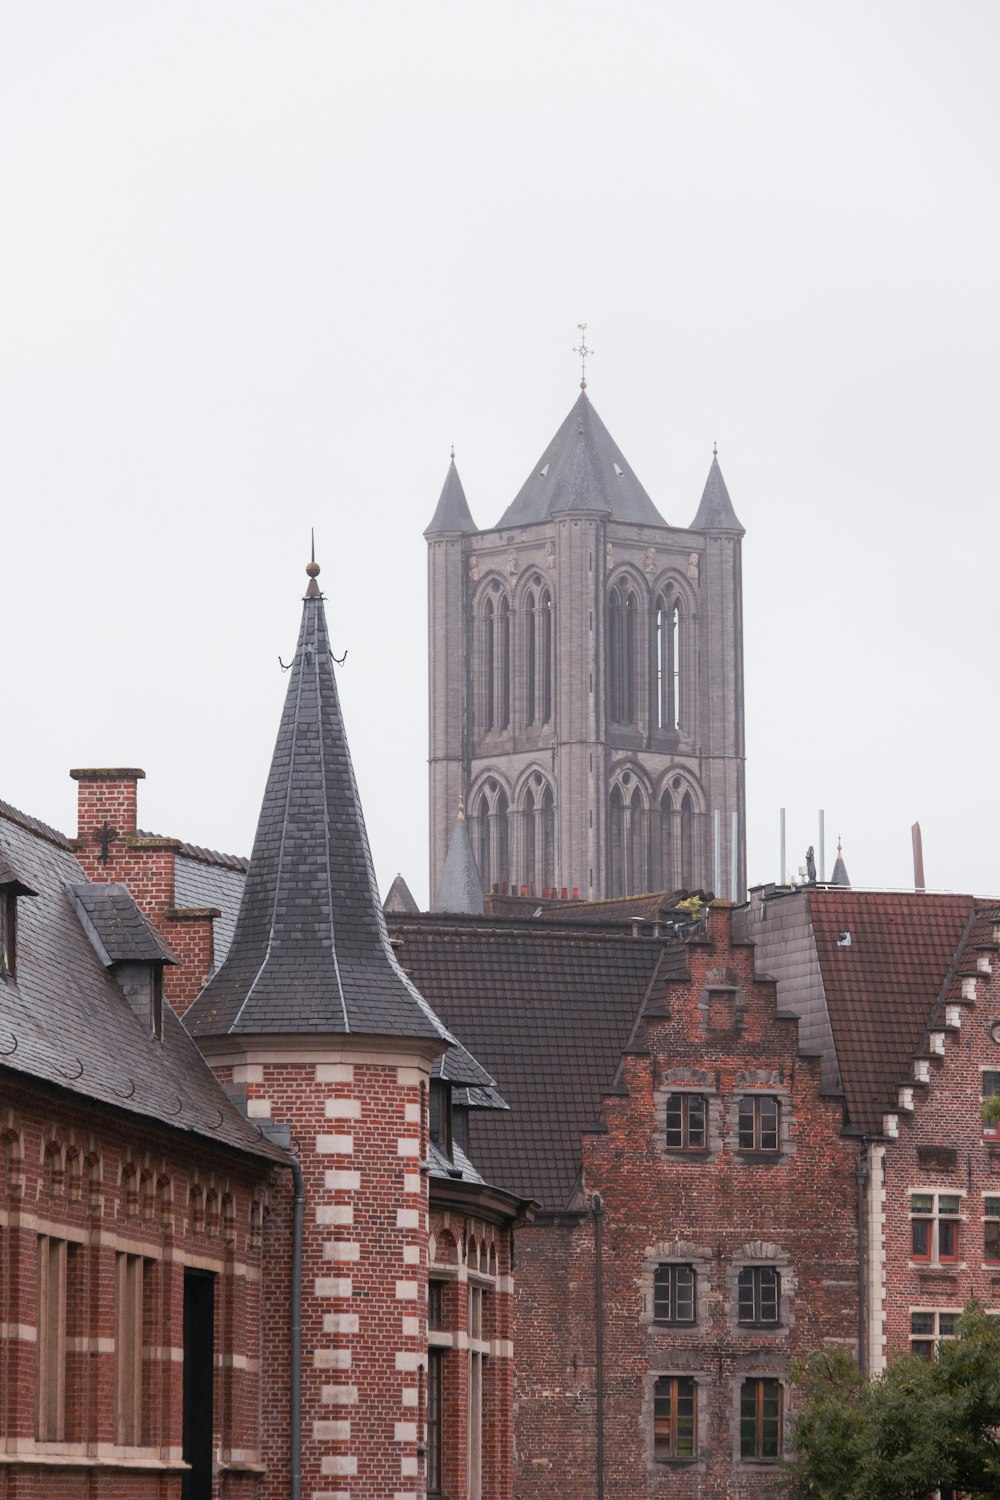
[310, 953]
[581, 469]
[452, 513]
[548, 1009]
[119, 931]
[64, 1020]
[882, 986]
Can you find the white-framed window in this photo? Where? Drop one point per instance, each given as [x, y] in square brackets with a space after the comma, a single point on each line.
[930, 1327]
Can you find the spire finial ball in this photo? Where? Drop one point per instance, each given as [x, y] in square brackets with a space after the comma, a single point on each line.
[312, 569]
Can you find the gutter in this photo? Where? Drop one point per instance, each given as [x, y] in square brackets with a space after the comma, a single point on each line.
[295, 1384]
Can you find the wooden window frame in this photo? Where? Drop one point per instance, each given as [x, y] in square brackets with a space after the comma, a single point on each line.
[935, 1232]
[675, 1419]
[755, 1420]
[757, 1289]
[435, 1423]
[752, 1133]
[991, 1229]
[53, 1307]
[682, 1131]
[129, 1310]
[925, 1341]
[991, 1129]
[666, 1294]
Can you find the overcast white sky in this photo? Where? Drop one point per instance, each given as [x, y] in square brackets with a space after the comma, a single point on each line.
[261, 264]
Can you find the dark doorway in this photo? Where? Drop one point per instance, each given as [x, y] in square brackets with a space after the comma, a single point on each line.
[199, 1361]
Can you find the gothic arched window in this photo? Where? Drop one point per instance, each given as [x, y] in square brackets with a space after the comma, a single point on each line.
[537, 654]
[548, 840]
[490, 833]
[528, 838]
[503, 663]
[637, 845]
[624, 621]
[487, 653]
[530, 644]
[543, 636]
[628, 844]
[688, 872]
[667, 646]
[616, 843]
[667, 842]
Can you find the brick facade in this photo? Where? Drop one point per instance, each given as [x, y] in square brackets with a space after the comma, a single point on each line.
[73, 1176]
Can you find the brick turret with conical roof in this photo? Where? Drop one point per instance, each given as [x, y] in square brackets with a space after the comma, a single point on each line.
[586, 680]
[314, 1023]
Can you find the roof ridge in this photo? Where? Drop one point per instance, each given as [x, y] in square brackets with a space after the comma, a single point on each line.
[35, 825]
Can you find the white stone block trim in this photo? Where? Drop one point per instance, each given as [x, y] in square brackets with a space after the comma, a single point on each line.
[343, 1395]
[341, 1463]
[258, 1109]
[405, 1495]
[343, 1109]
[335, 1145]
[411, 1182]
[906, 1099]
[331, 1359]
[411, 1395]
[342, 1250]
[937, 1043]
[408, 1360]
[411, 1255]
[406, 1432]
[248, 1073]
[406, 1291]
[407, 1145]
[411, 1328]
[409, 1078]
[505, 1284]
[953, 1016]
[876, 1259]
[407, 1218]
[969, 987]
[890, 1126]
[334, 1072]
[334, 1213]
[333, 1286]
[407, 1466]
[336, 1432]
[342, 1181]
[411, 1114]
[922, 1070]
[502, 1348]
[340, 1322]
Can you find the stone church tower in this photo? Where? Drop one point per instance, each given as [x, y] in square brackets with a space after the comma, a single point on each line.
[586, 680]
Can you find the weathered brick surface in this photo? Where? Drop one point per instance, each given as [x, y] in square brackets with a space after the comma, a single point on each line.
[718, 1210]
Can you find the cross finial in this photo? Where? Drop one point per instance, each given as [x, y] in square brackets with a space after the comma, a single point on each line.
[312, 568]
[583, 352]
[453, 452]
[715, 450]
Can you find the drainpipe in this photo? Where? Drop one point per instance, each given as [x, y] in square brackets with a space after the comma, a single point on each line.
[295, 1391]
[599, 1335]
[861, 1174]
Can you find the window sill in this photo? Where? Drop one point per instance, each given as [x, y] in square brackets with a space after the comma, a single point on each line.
[678, 1462]
[688, 1153]
[759, 1158]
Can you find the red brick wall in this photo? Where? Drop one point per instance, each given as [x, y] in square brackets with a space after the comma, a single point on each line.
[75, 1173]
[718, 1210]
[941, 1148]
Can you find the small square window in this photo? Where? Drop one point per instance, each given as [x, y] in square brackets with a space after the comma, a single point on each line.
[435, 1304]
[687, 1122]
[674, 1288]
[759, 1121]
[991, 1089]
[928, 1329]
[759, 1295]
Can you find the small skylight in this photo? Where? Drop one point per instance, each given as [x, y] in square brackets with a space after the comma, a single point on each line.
[619, 472]
[544, 473]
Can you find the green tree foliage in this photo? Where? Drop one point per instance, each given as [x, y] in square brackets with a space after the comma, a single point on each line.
[920, 1426]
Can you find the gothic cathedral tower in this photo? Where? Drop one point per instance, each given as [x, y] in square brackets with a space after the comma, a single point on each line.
[586, 680]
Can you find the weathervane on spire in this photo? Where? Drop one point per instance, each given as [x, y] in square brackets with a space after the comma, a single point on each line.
[583, 352]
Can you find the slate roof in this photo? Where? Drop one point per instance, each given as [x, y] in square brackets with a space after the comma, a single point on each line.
[716, 513]
[882, 988]
[399, 897]
[548, 1010]
[212, 882]
[119, 931]
[452, 513]
[72, 1024]
[310, 953]
[582, 469]
[461, 888]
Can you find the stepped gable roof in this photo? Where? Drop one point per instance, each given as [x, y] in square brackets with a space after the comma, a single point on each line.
[399, 897]
[452, 513]
[980, 939]
[461, 889]
[716, 513]
[310, 954]
[65, 1022]
[883, 984]
[120, 932]
[582, 469]
[548, 1009]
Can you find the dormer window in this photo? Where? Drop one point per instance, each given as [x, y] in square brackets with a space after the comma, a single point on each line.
[440, 1116]
[11, 886]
